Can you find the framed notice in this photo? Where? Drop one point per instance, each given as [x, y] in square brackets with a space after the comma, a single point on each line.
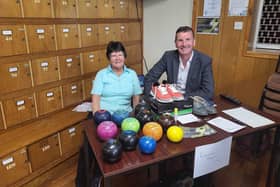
[207, 25]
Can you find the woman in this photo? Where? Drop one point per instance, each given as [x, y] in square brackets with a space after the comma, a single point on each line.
[115, 85]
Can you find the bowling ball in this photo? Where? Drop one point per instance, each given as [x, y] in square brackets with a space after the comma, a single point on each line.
[142, 105]
[147, 144]
[153, 129]
[101, 115]
[112, 150]
[130, 124]
[166, 121]
[128, 139]
[119, 116]
[145, 116]
[175, 133]
[107, 130]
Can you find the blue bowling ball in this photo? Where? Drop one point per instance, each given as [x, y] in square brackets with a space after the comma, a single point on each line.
[147, 144]
[101, 115]
[119, 116]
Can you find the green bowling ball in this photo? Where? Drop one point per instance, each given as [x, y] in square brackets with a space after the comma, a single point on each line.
[130, 124]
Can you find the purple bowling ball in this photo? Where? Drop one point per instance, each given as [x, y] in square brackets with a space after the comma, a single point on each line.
[107, 130]
[101, 115]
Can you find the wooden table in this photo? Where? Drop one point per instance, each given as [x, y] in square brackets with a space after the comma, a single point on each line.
[165, 149]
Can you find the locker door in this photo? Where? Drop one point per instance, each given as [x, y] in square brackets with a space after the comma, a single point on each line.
[65, 8]
[137, 68]
[69, 66]
[16, 75]
[19, 109]
[1, 119]
[87, 88]
[48, 100]
[37, 8]
[71, 139]
[41, 38]
[105, 8]
[45, 70]
[106, 33]
[134, 54]
[88, 8]
[10, 8]
[94, 61]
[67, 36]
[13, 38]
[121, 8]
[134, 31]
[89, 34]
[43, 152]
[72, 93]
[13, 167]
[135, 9]
[121, 32]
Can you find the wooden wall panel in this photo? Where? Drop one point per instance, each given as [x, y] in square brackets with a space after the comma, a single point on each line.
[10, 8]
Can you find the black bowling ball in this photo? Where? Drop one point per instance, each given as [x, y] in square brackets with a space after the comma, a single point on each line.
[142, 105]
[112, 150]
[166, 120]
[128, 139]
[144, 117]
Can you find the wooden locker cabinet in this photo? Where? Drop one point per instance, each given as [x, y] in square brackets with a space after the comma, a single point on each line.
[120, 8]
[105, 8]
[10, 8]
[70, 66]
[71, 139]
[89, 34]
[87, 88]
[72, 93]
[65, 8]
[43, 152]
[88, 8]
[17, 76]
[92, 61]
[19, 109]
[67, 36]
[13, 167]
[45, 70]
[48, 100]
[37, 8]
[106, 33]
[134, 54]
[134, 31]
[13, 38]
[41, 38]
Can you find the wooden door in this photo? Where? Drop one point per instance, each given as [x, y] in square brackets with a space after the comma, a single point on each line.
[65, 8]
[72, 93]
[13, 38]
[134, 54]
[88, 8]
[106, 33]
[69, 66]
[19, 109]
[71, 139]
[48, 100]
[120, 8]
[41, 38]
[45, 70]
[37, 8]
[43, 152]
[89, 35]
[134, 31]
[105, 8]
[17, 76]
[121, 32]
[67, 36]
[10, 8]
[13, 167]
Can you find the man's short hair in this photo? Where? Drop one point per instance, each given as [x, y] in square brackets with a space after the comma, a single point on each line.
[184, 29]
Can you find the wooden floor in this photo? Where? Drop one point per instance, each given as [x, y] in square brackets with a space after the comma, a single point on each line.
[243, 171]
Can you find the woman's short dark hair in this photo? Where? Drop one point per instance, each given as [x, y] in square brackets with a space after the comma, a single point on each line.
[115, 46]
[184, 29]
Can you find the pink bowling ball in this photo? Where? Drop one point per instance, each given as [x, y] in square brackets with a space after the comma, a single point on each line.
[107, 130]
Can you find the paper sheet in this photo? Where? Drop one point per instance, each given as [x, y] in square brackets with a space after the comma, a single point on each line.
[188, 118]
[211, 157]
[225, 124]
[248, 117]
[84, 107]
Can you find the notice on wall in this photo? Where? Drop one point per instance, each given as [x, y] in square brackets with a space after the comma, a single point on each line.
[207, 25]
[238, 7]
[212, 8]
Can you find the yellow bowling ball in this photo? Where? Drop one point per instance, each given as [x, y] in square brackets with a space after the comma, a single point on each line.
[175, 134]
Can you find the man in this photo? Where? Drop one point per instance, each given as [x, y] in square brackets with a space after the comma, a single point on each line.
[186, 67]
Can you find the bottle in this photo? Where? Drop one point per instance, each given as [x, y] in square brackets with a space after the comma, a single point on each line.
[175, 115]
